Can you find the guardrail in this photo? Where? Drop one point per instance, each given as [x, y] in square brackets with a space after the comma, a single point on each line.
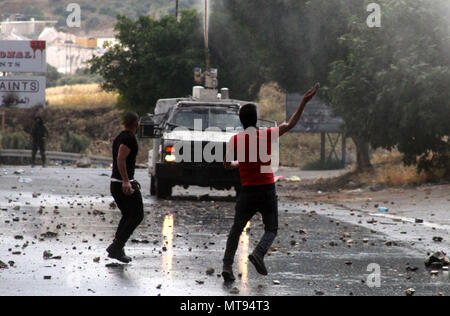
[52, 155]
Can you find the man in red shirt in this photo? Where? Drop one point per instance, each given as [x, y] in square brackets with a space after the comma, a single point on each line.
[251, 152]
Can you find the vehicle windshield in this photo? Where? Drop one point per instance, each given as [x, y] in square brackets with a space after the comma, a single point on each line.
[221, 118]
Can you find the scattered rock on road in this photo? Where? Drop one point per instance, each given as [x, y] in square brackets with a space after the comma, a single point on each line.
[434, 272]
[49, 235]
[412, 269]
[3, 265]
[235, 291]
[410, 292]
[47, 255]
[438, 258]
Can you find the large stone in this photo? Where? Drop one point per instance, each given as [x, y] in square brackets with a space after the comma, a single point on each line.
[410, 292]
[438, 258]
[84, 162]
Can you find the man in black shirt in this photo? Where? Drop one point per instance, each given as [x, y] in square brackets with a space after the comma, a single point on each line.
[124, 189]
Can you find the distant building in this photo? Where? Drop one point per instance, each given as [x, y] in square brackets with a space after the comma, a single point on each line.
[25, 28]
[86, 42]
[13, 37]
[52, 36]
[67, 52]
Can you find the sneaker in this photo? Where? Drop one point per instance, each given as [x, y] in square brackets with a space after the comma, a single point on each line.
[227, 274]
[258, 262]
[118, 254]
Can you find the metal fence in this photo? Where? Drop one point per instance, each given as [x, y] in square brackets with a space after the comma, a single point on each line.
[51, 155]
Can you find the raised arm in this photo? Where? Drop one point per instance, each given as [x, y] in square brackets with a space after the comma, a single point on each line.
[286, 127]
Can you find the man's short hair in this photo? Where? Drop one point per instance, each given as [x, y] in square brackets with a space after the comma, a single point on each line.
[130, 119]
[248, 115]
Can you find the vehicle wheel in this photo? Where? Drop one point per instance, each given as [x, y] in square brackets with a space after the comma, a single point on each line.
[152, 186]
[163, 189]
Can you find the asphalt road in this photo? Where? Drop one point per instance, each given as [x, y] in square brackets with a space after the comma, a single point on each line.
[322, 248]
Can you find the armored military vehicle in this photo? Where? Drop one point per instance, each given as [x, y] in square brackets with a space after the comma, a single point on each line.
[190, 139]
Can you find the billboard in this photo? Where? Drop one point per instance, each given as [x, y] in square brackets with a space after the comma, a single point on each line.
[317, 117]
[23, 56]
[22, 92]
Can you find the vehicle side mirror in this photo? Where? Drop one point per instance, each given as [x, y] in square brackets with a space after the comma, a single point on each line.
[265, 124]
[149, 128]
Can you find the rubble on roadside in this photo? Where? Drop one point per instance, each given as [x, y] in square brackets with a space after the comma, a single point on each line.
[437, 261]
[3, 265]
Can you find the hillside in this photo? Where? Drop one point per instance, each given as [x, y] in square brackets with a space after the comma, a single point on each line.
[96, 16]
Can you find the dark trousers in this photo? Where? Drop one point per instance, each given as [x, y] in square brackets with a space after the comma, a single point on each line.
[262, 199]
[132, 209]
[41, 146]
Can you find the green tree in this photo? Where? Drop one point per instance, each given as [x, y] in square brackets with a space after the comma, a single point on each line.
[384, 82]
[292, 42]
[392, 86]
[52, 76]
[155, 59]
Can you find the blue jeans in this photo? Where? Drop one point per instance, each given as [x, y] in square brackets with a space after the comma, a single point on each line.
[253, 199]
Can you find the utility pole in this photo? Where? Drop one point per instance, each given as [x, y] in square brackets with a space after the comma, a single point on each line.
[206, 29]
[176, 9]
[3, 115]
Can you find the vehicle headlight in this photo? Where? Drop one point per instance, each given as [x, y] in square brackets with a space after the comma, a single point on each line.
[170, 158]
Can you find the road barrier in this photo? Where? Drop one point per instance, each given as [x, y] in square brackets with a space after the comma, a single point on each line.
[52, 155]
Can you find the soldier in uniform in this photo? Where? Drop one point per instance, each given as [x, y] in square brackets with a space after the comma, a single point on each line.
[39, 135]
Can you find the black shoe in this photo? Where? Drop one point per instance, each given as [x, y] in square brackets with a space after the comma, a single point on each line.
[258, 262]
[228, 275]
[119, 254]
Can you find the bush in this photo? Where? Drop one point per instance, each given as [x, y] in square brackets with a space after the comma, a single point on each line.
[52, 76]
[69, 80]
[16, 140]
[74, 143]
